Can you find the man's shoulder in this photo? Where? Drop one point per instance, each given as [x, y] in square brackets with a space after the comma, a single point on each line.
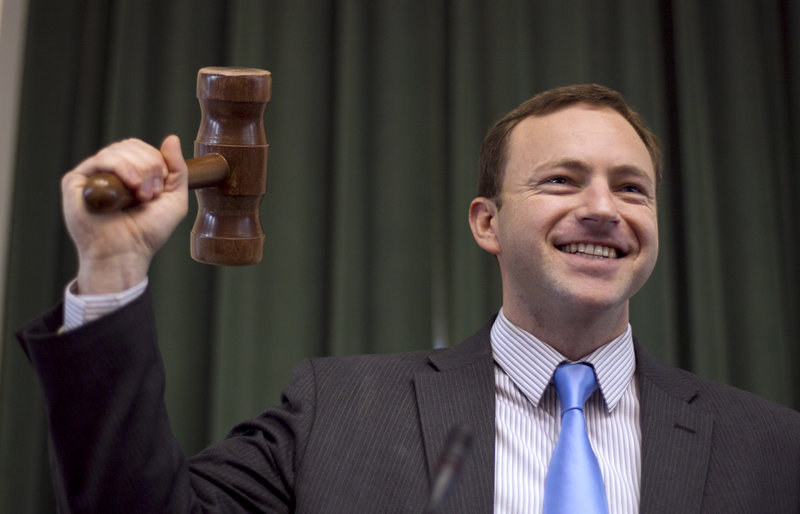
[734, 451]
[744, 408]
[726, 402]
[380, 363]
[474, 350]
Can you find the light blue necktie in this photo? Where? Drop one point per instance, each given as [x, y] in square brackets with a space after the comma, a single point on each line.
[574, 484]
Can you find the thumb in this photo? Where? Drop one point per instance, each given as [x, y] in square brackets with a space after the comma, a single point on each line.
[173, 156]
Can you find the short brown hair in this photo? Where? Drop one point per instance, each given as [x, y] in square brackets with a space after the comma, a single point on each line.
[494, 148]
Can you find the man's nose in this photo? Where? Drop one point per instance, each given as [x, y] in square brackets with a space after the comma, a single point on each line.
[598, 204]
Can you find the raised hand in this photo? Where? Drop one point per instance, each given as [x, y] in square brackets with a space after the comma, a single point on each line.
[115, 249]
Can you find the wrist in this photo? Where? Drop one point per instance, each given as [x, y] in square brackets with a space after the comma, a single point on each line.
[114, 275]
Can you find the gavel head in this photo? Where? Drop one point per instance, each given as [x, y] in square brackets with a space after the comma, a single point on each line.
[227, 229]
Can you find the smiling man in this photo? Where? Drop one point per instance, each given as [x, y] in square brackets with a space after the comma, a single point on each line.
[569, 413]
[573, 225]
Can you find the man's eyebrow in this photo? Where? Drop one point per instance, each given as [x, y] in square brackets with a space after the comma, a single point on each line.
[570, 164]
[633, 171]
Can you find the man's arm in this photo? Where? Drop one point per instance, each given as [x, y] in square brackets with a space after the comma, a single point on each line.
[112, 447]
[103, 381]
[103, 386]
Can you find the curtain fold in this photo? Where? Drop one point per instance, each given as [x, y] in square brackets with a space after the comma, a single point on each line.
[377, 114]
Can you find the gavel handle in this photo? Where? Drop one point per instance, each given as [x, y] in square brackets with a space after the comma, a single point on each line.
[105, 192]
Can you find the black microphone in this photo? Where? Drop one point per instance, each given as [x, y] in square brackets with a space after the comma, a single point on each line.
[448, 467]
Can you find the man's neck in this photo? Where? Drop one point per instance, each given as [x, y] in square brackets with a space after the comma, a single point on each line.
[572, 333]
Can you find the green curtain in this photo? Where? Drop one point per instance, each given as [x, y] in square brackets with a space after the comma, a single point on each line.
[378, 111]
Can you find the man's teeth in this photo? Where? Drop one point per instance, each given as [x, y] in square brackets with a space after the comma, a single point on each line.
[590, 250]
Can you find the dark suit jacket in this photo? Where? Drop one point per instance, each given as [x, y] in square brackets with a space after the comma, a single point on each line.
[361, 434]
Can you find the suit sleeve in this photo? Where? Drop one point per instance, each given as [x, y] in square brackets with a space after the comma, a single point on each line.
[112, 449]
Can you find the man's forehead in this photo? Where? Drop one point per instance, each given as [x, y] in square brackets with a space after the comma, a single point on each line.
[579, 110]
[580, 123]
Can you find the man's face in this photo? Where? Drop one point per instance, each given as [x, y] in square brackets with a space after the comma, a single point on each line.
[577, 227]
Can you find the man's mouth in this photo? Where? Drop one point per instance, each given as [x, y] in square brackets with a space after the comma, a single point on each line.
[595, 251]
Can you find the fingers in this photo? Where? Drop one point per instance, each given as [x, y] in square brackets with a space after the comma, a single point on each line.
[141, 167]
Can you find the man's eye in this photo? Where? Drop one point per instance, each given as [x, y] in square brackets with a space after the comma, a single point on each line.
[632, 188]
[557, 180]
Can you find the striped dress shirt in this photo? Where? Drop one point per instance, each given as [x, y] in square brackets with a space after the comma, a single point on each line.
[528, 416]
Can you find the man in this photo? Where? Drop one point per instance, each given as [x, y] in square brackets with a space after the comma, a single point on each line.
[568, 206]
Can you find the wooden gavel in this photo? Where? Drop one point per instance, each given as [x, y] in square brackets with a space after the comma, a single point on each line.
[229, 170]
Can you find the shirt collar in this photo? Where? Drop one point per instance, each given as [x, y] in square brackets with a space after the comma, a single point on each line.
[530, 362]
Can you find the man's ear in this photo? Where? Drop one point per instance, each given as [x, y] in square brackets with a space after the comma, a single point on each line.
[483, 222]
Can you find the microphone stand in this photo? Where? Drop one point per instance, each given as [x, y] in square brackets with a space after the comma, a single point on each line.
[448, 468]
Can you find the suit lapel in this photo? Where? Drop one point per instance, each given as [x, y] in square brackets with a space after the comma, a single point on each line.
[676, 438]
[460, 389]
[676, 433]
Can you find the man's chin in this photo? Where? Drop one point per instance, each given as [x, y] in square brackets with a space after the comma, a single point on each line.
[596, 300]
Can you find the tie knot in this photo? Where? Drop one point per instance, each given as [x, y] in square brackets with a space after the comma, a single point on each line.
[574, 384]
